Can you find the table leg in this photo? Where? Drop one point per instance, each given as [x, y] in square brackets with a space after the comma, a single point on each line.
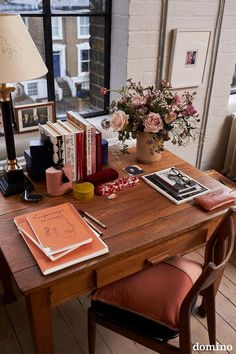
[5, 277]
[40, 317]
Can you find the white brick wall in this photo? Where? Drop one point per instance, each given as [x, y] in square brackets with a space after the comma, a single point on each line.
[139, 21]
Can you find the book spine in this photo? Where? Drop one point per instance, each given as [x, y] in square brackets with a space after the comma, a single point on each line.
[54, 144]
[98, 151]
[70, 146]
[70, 143]
[80, 155]
[90, 142]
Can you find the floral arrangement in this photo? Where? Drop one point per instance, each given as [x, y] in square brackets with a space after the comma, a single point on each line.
[165, 114]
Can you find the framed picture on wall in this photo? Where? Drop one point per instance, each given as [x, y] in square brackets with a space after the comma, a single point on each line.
[188, 57]
[28, 116]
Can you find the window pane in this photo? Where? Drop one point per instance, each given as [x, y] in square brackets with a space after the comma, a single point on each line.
[21, 6]
[77, 87]
[85, 54]
[32, 91]
[80, 6]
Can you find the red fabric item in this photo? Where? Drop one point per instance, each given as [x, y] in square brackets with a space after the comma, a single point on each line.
[117, 185]
[108, 174]
[155, 293]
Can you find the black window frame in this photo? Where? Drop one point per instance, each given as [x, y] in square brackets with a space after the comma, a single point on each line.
[46, 16]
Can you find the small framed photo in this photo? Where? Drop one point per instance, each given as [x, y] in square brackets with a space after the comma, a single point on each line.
[188, 57]
[28, 116]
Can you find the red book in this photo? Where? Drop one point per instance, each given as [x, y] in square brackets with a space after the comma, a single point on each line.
[98, 151]
[90, 140]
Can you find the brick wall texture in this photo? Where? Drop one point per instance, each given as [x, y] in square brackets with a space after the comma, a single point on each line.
[134, 53]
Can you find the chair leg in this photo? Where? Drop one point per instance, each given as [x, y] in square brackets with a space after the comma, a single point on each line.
[91, 330]
[185, 337]
[211, 314]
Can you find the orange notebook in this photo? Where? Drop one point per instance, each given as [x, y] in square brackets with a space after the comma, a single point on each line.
[59, 228]
[24, 228]
[93, 249]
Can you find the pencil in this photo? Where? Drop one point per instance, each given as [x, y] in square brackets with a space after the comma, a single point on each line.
[92, 226]
[94, 219]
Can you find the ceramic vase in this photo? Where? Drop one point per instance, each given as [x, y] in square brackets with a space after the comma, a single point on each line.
[148, 148]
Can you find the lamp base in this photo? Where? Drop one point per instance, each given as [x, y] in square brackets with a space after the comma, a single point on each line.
[14, 182]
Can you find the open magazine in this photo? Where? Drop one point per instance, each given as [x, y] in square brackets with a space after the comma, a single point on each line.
[175, 185]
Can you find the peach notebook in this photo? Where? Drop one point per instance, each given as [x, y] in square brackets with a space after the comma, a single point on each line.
[59, 228]
[93, 249]
[24, 227]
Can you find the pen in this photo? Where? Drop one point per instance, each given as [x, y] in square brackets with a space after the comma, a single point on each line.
[92, 226]
[94, 219]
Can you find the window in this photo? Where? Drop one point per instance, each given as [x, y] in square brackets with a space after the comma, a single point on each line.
[57, 28]
[83, 27]
[32, 88]
[73, 38]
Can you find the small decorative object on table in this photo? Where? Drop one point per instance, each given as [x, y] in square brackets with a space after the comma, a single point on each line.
[153, 117]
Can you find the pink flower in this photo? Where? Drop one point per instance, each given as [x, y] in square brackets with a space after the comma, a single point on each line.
[119, 121]
[103, 91]
[138, 100]
[170, 117]
[177, 99]
[165, 83]
[153, 123]
[190, 110]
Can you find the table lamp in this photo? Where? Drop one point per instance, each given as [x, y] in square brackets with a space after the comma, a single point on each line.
[19, 61]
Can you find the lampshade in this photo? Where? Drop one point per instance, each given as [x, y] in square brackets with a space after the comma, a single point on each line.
[19, 57]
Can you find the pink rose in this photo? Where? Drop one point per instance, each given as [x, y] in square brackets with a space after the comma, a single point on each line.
[170, 117]
[190, 110]
[119, 121]
[177, 99]
[153, 123]
[138, 100]
[103, 91]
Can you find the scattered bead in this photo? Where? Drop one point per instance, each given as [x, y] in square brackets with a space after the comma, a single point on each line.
[112, 196]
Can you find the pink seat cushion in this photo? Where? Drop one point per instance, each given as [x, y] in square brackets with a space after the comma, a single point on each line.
[156, 292]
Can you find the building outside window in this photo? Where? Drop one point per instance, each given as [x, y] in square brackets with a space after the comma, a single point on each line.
[73, 38]
[32, 88]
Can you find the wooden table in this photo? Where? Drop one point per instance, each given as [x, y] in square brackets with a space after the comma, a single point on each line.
[142, 226]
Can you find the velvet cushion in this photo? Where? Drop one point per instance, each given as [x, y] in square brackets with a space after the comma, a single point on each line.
[155, 293]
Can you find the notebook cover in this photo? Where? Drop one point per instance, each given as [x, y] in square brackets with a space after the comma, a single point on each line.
[59, 228]
[24, 227]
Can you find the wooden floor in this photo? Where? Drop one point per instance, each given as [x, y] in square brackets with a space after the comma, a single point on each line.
[70, 332]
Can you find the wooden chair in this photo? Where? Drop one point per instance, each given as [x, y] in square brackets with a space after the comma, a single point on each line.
[123, 316]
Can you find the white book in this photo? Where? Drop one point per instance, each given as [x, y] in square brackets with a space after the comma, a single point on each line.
[70, 146]
[54, 142]
[80, 153]
[162, 183]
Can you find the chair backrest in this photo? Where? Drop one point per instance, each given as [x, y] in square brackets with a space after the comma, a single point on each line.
[218, 251]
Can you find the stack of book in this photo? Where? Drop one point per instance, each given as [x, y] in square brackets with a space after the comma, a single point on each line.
[59, 237]
[75, 142]
[176, 189]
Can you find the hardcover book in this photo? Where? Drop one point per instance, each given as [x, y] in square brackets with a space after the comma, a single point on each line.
[90, 144]
[54, 142]
[59, 228]
[80, 147]
[177, 186]
[69, 144]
